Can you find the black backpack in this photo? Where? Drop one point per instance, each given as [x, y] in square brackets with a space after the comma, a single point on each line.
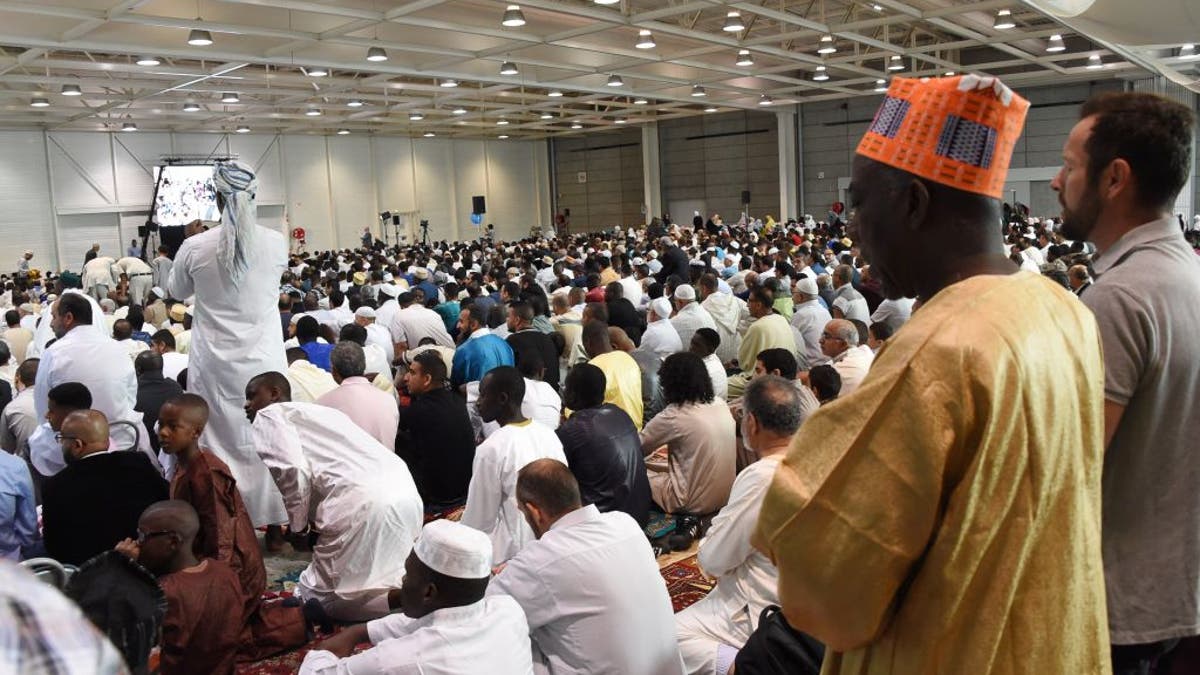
[775, 648]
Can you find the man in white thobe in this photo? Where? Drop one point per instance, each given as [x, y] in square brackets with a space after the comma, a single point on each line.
[589, 585]
[233, 270]
[808, 320]
[491, 496]
[98, 276]
[140, 275]
[85, 355]
[660, 338]
[376, 334]
[446, 626]
[338, 480]
[894, 313]
[689, 315]
[839, 341]
[730, 316]
[712, 631]
[161, 268]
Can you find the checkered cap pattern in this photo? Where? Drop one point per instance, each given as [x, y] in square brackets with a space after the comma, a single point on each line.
[931, 128]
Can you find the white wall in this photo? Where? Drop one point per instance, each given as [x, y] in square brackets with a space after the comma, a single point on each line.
[62, 191]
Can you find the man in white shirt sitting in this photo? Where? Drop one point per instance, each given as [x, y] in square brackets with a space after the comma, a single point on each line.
[589, 585]
[446, 625]
[689, 315]
[163, 342]
[839, 341]
[660, 338]
[376, 334]
[491, 497]
[712, 631]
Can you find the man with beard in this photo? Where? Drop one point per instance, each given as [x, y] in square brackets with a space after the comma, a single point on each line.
[1123, 165]
[946, 515]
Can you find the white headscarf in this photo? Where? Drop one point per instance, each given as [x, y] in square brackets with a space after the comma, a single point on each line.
[239, 221]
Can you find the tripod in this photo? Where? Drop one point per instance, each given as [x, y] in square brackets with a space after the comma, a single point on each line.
[425, 233]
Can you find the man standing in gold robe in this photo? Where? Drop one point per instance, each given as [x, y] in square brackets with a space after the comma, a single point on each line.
[945, 517]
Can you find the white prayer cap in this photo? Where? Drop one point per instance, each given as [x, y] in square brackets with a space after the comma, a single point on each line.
[547, 260]
[772, 251]
[387, 277]
[638, 261]
[26, 307]
[652, 254]
[389, 290]
[323, 303]
[685, 292]
[421, 273]
[606, 253]
[455, 550]
[734, 245]
[157, 290]
[661, 307]
[296, 318]
[696, 262]
[365, 312]
[806, 285]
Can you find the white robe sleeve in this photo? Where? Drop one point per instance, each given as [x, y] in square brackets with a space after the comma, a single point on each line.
[727, 544]
[527, 586]
[278, 445]
[484, 493]
[42, 385]
[180, 283]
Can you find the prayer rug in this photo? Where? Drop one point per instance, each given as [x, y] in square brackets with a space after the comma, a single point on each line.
[455, 514]
[685, 582]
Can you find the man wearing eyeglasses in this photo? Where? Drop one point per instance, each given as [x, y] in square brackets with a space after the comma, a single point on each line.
[839, 341]
[96, 500]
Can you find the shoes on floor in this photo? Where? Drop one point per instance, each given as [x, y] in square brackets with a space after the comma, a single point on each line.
[687, 531]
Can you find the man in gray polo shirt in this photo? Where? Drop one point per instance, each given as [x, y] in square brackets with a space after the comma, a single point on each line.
[1124, 163]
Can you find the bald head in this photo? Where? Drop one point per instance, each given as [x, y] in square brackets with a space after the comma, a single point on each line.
[843, 329]
[550, 486]
[84, 432]
[173, 515]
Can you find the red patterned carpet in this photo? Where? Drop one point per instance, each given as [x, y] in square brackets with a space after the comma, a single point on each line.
[685, 583]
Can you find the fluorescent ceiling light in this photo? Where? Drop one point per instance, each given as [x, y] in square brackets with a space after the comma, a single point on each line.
[129, 126]
[615, 80]
[1095, 62]
[148, 61]
[243, 129]
[40, 102]
[509, 68]
[744, 58]
[1004, 20]
[71, 90]
[501, 122]
[765, 100]
[827, 46]
[880, 86]
[733, 23]
[429, 134]
[821, 75]
[640, 100]
[554, 93]
[191, 106]
[448, 83]
[377, 54]
[343, 132]
[230, 97]
[502, 136]
[576, 125]
[355, 103]
[697, 90]
[547, 116]
[1056, 44]
[198, 38]
[896, 62]
[711, 109]
[313, 112]
[459, 111]
[317, 71]
[645, 40]
[620, 120]
[513, 17]
[415, 116]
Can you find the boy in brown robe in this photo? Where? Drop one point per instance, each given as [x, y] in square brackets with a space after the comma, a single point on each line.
[201, 632]
[225, 531]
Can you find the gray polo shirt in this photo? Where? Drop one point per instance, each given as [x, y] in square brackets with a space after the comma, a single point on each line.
[1146, 298]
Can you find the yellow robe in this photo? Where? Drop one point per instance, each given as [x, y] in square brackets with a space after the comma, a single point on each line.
[945, 517]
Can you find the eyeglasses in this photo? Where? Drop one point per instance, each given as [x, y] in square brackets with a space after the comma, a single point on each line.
[58, 437]
[143, 536]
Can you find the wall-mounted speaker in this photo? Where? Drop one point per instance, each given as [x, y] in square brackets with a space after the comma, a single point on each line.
[478, 205]
[745, 196]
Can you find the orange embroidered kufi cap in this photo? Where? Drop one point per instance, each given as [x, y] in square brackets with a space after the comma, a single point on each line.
[957, 131]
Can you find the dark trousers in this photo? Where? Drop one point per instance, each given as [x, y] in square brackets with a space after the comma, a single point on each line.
[1140, 659]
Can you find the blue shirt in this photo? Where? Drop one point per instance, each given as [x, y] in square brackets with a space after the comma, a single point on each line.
[318, 354]
[449, 312]
[475, 357]
[18, 512]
